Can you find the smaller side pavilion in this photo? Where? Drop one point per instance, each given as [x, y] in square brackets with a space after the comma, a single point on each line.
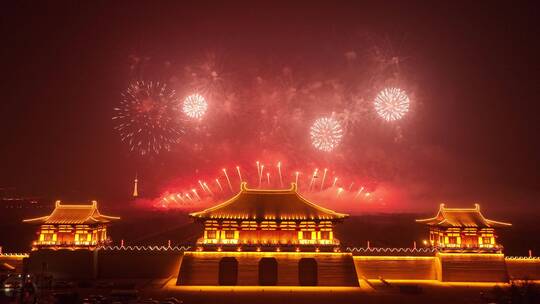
[463, 230]
[79, 226]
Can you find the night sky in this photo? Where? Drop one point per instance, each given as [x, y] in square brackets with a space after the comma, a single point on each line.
[472, 72]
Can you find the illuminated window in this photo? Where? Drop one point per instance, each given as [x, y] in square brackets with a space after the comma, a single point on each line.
[486, 240]
[325, 235]
[452, 240]
[229, 234]
[211, 234]
[306, 235]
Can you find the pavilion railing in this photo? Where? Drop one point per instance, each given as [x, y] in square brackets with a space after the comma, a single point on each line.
[145, 248]
[393, 250]
[16, 255]
[522, 258]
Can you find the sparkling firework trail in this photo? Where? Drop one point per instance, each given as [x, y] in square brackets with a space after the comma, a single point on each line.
[147, 118]
[228, 180]
[196, 194]
[359, 191]
[208, 188]
[175, 200]
[312, 179]
[339, 190]
[280, 177]
[260, 175]
[195, 106]
[239, 174]
[202, 186]
[323, 177]
[326, 134]
[259, 171]
[219, 185]
[392, 104]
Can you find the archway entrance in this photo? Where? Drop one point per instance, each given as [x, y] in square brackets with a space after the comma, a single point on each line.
[268, 274]
[307, 272]
[228, 271]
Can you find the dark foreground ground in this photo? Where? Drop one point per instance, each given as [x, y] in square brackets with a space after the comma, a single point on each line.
[159, 291]
[139, 226]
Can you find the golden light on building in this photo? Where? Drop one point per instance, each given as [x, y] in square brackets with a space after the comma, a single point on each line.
[72, 227]
[463, 230]
[273, 219]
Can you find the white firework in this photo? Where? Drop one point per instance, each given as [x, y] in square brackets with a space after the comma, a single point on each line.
[326, 134]
[195, 106]
[392, 104]
[147, 118]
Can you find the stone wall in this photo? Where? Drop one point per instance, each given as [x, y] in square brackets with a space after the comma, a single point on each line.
[523, 268]
[396, 267]
[457, 267]
[64, 264]
[202, 268]
[133, 264]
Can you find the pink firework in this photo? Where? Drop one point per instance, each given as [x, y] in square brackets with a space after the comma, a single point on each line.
[326, 134]
[392, 104]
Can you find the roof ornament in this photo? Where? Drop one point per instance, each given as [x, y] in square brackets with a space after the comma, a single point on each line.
[243, 187]
[57, 203]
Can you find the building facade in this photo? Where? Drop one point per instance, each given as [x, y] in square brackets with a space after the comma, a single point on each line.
[463, 230]
[72, 227]
[276, 220]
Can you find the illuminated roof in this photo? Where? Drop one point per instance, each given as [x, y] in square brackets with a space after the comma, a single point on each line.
[461, 217]
[73, 214]
[284, 204]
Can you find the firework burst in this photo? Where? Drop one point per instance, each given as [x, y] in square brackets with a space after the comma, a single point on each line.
[195, 106]
[326, 134]
[147, 118]
[392, 104]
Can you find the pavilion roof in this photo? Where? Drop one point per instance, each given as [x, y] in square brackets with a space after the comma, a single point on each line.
[461, 217]
[256, 204]
[73, 214]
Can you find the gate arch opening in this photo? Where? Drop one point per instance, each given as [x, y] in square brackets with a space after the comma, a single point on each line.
[268, 272]
[228, 271]
[307, 272]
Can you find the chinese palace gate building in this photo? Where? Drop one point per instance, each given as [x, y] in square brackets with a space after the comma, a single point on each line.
[72, 227]
[268, 220]
[463, 230]
[265, 238]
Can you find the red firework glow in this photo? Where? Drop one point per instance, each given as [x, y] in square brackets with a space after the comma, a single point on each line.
[320, 185]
